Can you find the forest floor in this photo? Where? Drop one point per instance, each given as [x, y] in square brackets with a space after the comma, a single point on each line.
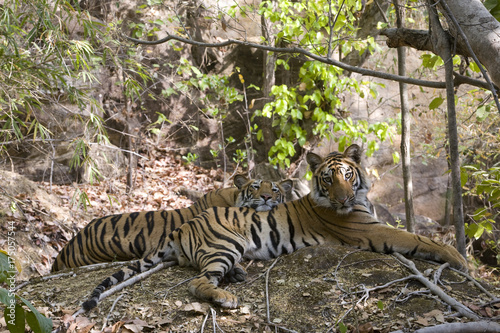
[319, 289]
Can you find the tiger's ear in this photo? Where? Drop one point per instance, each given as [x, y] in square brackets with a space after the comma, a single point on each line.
[240, 181]
[286, 185]
[354, 153]
[313, 160]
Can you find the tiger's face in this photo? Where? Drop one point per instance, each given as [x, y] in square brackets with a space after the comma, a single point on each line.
[262, 195]
[337, 179]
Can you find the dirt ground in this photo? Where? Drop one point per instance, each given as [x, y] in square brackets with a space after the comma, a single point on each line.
[318, 289]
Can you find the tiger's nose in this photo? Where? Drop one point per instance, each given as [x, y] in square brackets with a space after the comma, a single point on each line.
[265, 196]
[344, 200]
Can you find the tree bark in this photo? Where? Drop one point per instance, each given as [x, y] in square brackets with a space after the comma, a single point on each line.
[443, 46]
[405, 124]
[481, 29]
[373, 13]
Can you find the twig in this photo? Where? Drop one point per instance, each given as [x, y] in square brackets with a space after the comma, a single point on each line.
[267, 289]
[472, 327]
[131, 281]
[439, 271]
[267, 300]
[110, 310]
[75, 271]
[174, 286]
[337, 268]
[204, 322]
[477, 284]
[436, 290]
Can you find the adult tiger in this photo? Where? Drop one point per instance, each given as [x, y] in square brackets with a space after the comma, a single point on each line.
[217, 239]
[135, 235]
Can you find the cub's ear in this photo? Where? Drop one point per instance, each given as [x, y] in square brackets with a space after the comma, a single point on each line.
[313, 160]
[354, 153]
[240, 181]
[286, 185]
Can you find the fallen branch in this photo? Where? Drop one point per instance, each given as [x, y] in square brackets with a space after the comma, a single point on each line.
[75, 271]
[494, 299]
[131, 281]
[267, 290]
[436, 290]
[267, 301]
[439, 271]
[472, 327]
[110, 311]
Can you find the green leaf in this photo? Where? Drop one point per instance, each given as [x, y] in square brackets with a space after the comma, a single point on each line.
[342, 328]
[474, 67]
[494, 7]
[5, 296]
[436, 102]
[471, 230]
[395, 157]
[464, 177]
[15, 318]
[380, 305]
[5, 268]
[259, 135]
[482, 113]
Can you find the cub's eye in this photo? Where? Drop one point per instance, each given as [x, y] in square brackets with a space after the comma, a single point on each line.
[348, 175]
[327, 179]
[275, 189]
[255, 186]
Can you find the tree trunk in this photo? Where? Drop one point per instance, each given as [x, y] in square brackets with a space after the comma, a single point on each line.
[481, 29]
[373, 13]
[442, 46]
[405, 124]
[269, 80]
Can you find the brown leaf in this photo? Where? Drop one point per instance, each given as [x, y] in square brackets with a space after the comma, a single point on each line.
[365, 328]
[115, 328]
[196, 307]
[422, 321]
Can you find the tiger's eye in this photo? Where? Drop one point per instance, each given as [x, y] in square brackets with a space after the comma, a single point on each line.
[348, 175]
[327, 179]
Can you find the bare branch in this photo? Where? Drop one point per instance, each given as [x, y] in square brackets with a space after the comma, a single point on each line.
[472, 327]
[298, 50]
[417, 39]
[131, 281]
[464, 311]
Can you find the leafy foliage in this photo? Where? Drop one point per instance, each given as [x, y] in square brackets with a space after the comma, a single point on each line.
[321, 27]
[480, 173]
[494, 7]
[486, 186]
[15, 315]
[40, 62]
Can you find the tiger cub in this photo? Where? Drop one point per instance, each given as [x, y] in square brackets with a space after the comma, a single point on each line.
[136, 235]
[216, 240]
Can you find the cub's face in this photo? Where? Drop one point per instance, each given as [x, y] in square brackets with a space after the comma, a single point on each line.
[262, 195]
[336, 179]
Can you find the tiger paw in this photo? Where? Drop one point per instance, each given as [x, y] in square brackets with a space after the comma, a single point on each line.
[225, 299]
[455, 259]
[237, 274]
[202, 287]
